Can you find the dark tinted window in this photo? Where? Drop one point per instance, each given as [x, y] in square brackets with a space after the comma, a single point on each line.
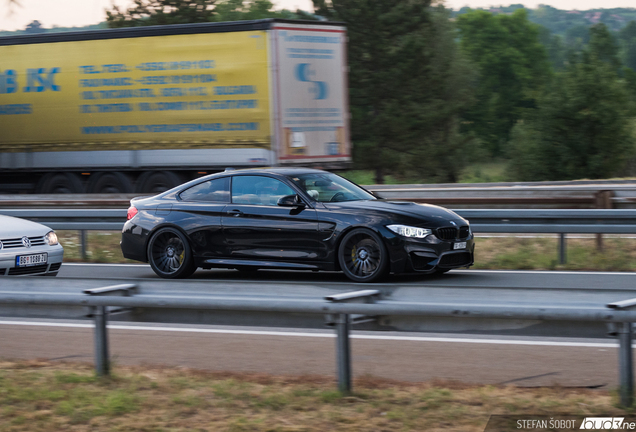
[258, 190]
[325, 187]
[217, 190]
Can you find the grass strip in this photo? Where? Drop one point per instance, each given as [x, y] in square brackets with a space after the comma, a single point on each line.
[54, 396]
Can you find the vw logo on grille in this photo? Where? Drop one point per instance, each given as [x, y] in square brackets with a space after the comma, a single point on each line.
[26, 242]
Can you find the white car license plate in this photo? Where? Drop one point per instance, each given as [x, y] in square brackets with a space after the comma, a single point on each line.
[31, 260]
[459, 245]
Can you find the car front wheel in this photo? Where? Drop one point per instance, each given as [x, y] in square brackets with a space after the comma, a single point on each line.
[362, 256]
[169, 254]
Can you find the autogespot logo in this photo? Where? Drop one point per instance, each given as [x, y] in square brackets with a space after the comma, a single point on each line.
[26, 242]
[604, 423]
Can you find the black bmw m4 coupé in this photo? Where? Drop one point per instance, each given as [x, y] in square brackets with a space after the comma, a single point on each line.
[291, 218]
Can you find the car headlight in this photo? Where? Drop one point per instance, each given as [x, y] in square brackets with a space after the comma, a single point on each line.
[51, 238]
[409, 231]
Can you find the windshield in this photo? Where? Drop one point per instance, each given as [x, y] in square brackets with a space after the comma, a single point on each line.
[327, 187]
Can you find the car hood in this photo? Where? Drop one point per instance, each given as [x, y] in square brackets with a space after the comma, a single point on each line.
[12, 227]
[430, 213]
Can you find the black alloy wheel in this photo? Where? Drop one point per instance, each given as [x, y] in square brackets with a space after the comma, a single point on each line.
[169, 254]
[362, 256]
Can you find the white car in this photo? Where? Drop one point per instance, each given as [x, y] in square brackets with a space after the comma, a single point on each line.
[28, 248]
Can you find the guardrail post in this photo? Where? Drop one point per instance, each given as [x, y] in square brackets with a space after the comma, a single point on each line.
[562, 249]
[100, 314]
[102, 362]
[625, 355]
[83, 244]
[343, 353]
[343, 323]
[625, 364]
[603, 201]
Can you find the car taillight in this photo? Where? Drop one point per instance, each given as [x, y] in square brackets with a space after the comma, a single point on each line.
[132, 212]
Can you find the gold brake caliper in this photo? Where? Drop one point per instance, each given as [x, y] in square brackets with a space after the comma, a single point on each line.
[354, 255]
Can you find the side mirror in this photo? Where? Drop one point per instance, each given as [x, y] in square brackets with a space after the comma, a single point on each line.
[290, 201]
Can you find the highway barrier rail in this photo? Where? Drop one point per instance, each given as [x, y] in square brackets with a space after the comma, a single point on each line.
[481, 220]
[575, 194]
[512, 221]
[383, 308]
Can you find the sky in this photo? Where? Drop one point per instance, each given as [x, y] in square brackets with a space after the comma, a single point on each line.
[69, 13]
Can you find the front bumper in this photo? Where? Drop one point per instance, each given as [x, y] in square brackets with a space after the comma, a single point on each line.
[8, 267]
[417, 255]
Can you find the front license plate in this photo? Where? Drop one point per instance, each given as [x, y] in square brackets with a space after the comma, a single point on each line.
[31, 260]
[459, 245]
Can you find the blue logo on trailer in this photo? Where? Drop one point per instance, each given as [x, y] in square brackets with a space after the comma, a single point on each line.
[304, 73]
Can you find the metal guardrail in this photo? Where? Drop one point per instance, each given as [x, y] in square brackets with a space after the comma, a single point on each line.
[73, 219]
[575, 194]
[589, 221]
[513, 221]
[578, 221]
[339, 309]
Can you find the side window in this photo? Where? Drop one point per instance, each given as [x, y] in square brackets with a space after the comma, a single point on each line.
[217, 190]
[258, 190]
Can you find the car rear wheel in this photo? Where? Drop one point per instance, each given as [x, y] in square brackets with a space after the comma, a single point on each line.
[362, 256]
[169, 254]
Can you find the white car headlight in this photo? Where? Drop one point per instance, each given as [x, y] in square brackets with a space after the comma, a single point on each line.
[51, 238]
[409, 231]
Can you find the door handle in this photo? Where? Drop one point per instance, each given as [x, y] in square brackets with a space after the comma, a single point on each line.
[235, 213]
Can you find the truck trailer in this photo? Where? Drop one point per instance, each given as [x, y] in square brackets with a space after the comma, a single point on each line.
[144, 109]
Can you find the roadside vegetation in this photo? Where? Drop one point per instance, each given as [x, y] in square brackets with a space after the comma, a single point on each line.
[52, 396]
[479, 172]
[492, 253]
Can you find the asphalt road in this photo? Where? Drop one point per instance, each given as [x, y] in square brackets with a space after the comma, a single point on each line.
[406, 357]
[455, 278]
[474, 358]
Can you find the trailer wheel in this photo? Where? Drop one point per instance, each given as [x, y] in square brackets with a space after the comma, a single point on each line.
[109, 182]
[60, 183]
[157, 181]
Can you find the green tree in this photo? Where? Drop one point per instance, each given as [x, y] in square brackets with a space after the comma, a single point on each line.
[34, 27]
[581, 128]
[236, 10]
[408, 85]
[603, 45]
[162, 12]
[513, 66]
[627, 37]
[577, 36]
[555, 48]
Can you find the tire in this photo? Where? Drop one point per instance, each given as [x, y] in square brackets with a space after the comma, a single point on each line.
[363, 256]
[157, 182]
[60, 183]
[110, 182]
[169, 254]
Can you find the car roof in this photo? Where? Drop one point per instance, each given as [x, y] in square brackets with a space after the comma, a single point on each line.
[229, 172]
[277, 170]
